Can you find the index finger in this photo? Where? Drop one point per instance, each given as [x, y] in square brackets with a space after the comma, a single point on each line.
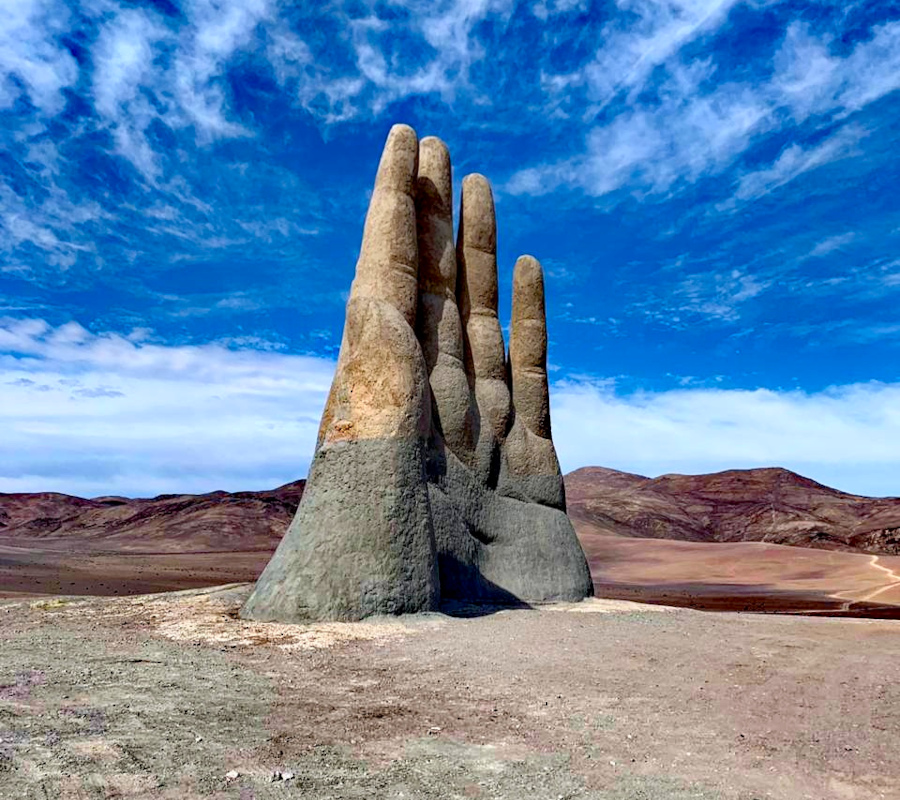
[388, 264]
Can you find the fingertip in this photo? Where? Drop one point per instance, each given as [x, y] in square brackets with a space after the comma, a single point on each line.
[528, 288]
[529, 268]
[476, 184]
[480, 228]
[399, 160]
[436, 148]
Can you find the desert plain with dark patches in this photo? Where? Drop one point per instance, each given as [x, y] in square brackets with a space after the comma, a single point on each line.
[641, 693]
[165, 696]
[743, 540]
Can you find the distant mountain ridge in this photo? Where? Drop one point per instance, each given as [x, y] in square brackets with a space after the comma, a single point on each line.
[755, 505]
[213, 522]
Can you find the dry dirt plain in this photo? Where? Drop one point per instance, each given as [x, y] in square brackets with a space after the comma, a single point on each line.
[163, 696]
[744, 576]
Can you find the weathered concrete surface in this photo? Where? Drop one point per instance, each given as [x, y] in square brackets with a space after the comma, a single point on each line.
[435, 475]
[361, 542]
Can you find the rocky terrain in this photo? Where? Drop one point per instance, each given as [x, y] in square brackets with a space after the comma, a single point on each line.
[754, 505]
[214, 522]
[757, 505]
[171, 696]
[719, 555]
[58, 544]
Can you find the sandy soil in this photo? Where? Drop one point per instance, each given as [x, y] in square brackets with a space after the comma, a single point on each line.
[745, 576]
[165, 696]
[27, 569]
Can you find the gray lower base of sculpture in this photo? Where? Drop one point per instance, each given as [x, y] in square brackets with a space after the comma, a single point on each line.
[361, 542]
[372, 536]
[503, 550]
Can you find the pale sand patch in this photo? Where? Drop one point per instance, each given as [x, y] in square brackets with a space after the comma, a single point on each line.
[206, 621]
[210, 616]
[600, 605]
[95, 748]
[121, 784]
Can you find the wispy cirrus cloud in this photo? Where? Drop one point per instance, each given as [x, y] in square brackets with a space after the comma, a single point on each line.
[695, 127]
[642, 36]
[793, 162]
[812, 80]
[133, 87]
[649, 150]
[34, 64]
[829, 245]
[717, 295]
[417, 49]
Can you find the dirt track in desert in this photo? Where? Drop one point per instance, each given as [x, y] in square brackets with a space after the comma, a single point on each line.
[165, 696]
[744, 576]
[741, 576]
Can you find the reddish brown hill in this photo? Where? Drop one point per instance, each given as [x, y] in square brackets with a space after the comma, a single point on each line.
[756, 505]
[214, 522]
[57, 544]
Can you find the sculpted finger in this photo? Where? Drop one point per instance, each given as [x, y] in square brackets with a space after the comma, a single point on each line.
[388, 260]
[477, 263]
[375, 392]
[434, 217]
[528, 348]
[531, 467]
[438, 324]
[476, 255]
[362, 540]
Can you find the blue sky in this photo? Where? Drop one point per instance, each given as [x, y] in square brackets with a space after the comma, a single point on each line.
[711, 186]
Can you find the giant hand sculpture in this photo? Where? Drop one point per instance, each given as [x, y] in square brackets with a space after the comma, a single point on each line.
[434, 475]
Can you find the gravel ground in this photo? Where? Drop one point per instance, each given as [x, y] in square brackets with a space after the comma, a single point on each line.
[171, 696]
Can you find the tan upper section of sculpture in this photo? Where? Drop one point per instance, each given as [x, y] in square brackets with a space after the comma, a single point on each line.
[423, 352]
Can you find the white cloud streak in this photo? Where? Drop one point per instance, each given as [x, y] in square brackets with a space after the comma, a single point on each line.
[812, 81]
[793, 162]
[846, 436]
[54, 226]
[717, 296]
[134, 85]
[656, 30]
[652, 149]
[96, 414]
[32, 61]
[692, 131]
[445, 41]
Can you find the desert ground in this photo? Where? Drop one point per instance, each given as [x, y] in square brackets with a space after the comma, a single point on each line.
[140, 695]
[739, 576]
[714, 542]
[172, 696]
[744, 576]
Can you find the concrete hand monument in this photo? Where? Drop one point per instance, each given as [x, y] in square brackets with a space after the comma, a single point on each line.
[435, 476]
